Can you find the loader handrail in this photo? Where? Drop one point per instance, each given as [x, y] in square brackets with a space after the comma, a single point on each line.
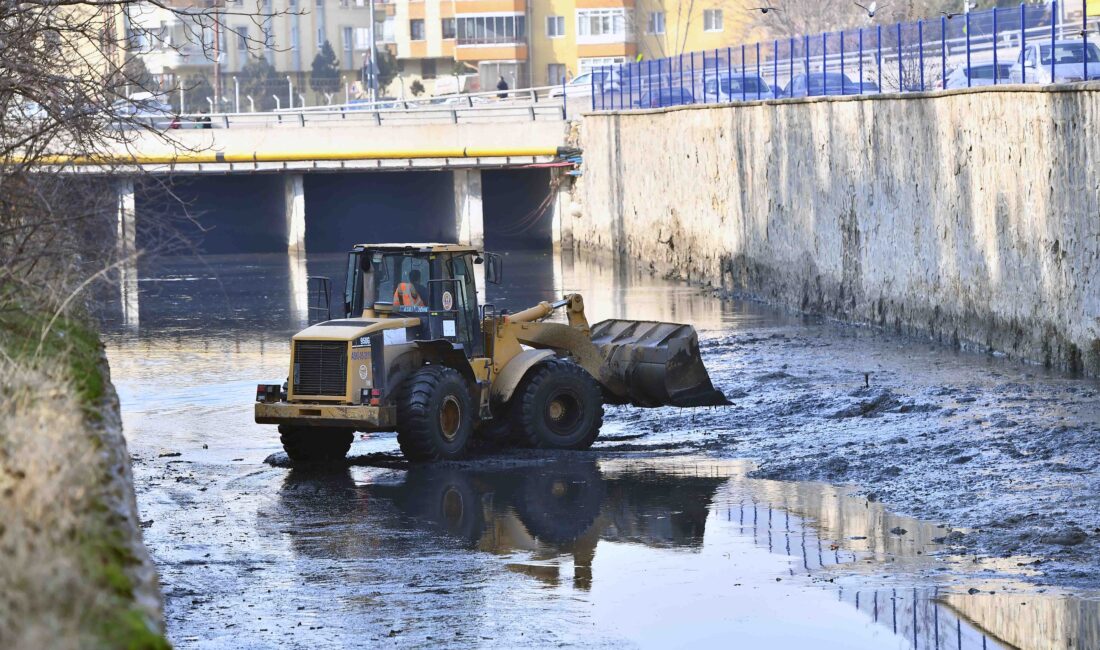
[544, 309]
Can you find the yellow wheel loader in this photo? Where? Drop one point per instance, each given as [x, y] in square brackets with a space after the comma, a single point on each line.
[416, 354]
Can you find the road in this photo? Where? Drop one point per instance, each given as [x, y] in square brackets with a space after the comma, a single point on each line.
[864, 491]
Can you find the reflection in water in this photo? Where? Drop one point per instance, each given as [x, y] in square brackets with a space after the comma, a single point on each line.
[209, 295]
[547, 519]
[129, 297]
[298, 289]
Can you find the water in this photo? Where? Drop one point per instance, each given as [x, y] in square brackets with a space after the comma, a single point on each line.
[658, 538]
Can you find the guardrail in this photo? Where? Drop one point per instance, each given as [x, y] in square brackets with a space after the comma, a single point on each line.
[951, 51]
[527, 104]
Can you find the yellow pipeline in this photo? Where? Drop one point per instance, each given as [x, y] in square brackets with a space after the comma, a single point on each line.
[296, 156]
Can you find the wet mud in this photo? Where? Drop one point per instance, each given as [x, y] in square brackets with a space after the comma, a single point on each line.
[863, 490]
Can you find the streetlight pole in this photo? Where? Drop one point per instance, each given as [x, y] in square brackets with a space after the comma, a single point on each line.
[373, 68]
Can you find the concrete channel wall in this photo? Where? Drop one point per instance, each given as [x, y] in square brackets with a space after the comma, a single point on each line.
[972, 217]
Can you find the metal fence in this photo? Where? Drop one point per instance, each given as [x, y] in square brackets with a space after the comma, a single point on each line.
[1028, 44]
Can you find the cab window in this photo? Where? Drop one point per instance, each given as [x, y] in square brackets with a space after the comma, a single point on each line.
[406, 283]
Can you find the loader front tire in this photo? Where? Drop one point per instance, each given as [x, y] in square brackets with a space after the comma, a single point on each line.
[435, 415]
[315, 444]
[558, 406]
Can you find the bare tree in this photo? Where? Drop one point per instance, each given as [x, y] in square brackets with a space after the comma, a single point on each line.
[67, 71]
[788, 18]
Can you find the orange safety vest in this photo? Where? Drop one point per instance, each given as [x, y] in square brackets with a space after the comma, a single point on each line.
[407, 296]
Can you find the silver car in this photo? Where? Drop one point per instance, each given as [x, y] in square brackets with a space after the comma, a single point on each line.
[982, 73]
[1033, 65]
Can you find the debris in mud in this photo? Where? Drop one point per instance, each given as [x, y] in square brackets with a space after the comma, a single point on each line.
[960, 460]
[835, 466]
[775, 376]
[169, 454]
[1068, 536]
[379, 459]
[875, 402]
[953, 537]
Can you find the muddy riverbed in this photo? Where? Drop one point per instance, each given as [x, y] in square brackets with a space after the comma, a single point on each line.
[863, 490]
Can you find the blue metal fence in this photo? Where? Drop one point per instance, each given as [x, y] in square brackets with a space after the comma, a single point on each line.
[995, 46]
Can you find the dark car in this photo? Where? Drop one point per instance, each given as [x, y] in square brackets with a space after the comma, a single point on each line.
[822, 83]
[665, 97]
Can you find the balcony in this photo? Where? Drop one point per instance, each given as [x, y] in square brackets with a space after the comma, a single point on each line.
[492, 30]
[473, 53]
[466, 7]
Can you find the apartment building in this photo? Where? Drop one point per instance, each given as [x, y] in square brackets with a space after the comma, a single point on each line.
[185, 41]
[540, 42]
[442, 46]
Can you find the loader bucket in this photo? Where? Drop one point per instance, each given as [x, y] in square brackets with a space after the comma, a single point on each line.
[654, 364]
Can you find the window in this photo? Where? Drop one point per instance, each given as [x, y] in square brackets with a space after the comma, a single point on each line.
[448, 27]
[483, 30]
[292, 4]
[602, 24]
[712, 20]
[427, 69]
[362, 38]
[656, 23]
[555, 26]
[416, 29]
[294, 37]
[555, 74]
[349, 34]
[242, 39]
[595, 63]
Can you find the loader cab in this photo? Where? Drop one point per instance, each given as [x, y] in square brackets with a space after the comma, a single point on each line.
[432, 282]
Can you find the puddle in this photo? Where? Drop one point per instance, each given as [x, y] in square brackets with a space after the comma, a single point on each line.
[673, 553]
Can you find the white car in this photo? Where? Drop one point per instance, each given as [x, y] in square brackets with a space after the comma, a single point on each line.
[981, 74]
[1034, 62]
[581, 85]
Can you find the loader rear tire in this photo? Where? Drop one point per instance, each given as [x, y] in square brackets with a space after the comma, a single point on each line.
[558, 406]
[315, 444]
[435, 415]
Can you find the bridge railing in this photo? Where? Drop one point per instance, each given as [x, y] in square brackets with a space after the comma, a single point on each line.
[959, 50]
[544, 103]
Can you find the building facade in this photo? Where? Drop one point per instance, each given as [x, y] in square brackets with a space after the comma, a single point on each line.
[441, 46]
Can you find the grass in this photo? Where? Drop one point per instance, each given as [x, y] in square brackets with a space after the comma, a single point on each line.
[65, 555]
[69, 341]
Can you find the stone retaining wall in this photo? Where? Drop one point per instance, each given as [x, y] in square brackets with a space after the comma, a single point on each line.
[972, 217]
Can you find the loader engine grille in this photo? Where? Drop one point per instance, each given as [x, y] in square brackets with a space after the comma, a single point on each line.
[320, 368]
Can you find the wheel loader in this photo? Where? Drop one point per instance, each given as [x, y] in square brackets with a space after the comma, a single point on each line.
[415, 353]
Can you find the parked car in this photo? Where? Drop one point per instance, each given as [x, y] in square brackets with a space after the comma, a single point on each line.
[737, 88]
[1069, 62]
[581, 85]
[822, 83]
[145, 110]
[665, 97]
[981, 74]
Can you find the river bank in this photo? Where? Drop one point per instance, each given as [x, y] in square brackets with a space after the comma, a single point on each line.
[76, 573]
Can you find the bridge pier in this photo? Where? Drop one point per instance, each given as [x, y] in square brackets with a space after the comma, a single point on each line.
[561, 227]
[126, 250]
[294, 193]
[469, 215]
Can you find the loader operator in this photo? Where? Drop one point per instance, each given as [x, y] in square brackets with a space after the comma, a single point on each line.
[409, 294]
